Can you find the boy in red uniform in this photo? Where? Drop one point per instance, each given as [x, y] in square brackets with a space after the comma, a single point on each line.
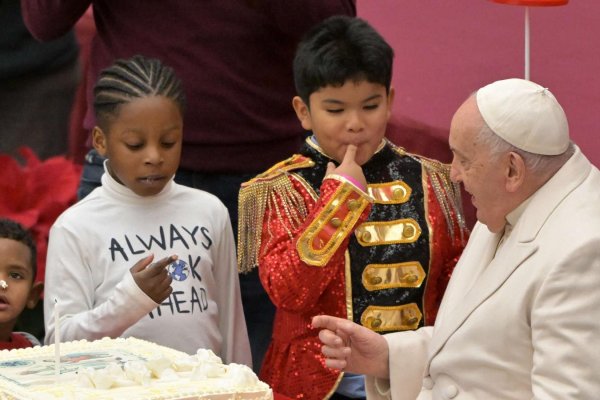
[353, 226]
[18, 288]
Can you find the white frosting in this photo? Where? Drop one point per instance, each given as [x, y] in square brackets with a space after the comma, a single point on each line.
[138, 372]
[185, 364]
[207, 356]
[128, 369]
[158, 365]
[240, 375]
[211, 370]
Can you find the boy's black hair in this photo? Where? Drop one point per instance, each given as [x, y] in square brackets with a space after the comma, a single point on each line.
[339, 49]
[10, 229]
[133, 78]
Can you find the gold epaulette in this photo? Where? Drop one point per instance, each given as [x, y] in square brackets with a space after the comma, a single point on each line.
[446, 192]
[274, 188]
[323, 237]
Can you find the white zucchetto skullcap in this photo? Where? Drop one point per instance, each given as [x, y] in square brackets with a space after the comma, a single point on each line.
[526, 115]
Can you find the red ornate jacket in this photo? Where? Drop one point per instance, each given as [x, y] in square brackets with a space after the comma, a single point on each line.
[381, 257]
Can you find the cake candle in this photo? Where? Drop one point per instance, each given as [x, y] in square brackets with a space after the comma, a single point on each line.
[56, 339]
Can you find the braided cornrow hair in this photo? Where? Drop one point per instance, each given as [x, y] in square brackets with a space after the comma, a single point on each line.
[133, 78]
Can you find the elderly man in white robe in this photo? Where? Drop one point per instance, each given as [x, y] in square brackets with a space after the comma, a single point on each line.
[520, 318]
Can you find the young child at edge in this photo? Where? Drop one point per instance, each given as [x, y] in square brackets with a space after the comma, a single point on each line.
[353, 226]
[18, 288]
[101, 249]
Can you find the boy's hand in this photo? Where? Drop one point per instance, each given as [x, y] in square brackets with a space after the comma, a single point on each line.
[153, 279]
[349, 167]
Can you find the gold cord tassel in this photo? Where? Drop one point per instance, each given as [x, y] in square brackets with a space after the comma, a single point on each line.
[446, 192]
[279, 194]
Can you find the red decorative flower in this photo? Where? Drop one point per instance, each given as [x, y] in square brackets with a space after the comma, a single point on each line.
[36, 193]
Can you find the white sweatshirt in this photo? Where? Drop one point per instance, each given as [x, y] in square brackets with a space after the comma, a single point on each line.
[95, 242]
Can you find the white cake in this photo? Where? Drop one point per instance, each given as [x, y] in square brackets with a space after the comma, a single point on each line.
[129, 369]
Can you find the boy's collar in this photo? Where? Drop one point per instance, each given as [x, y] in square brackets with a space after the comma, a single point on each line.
[312, 142]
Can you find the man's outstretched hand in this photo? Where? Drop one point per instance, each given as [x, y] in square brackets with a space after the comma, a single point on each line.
[350, 347]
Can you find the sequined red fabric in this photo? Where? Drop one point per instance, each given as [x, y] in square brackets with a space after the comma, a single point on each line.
[294, 365]
[444, 254]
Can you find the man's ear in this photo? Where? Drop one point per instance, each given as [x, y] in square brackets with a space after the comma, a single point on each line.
[302, 112]
[99, 140]
[516, 172]
[34, 294]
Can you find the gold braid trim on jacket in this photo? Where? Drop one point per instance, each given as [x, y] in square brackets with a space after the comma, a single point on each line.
[275, 189]
[446, 192]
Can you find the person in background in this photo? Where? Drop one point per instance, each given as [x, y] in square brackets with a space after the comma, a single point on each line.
[37, 86]
[352, 225]
[38, 82]
[18, 288]
[140, 213]
[235, 58]
[522, 311]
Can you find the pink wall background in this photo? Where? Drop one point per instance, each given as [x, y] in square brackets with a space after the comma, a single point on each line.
[447, 49]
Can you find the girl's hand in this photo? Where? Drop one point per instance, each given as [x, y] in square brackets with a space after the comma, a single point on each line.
[153, 279]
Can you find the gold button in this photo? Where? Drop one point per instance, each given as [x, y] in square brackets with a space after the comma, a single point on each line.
[408, 231]
[411, 278]
[375, 323]
[398, 193]
[353, 205]
[366, 236]
[375, 280]
[410, 317]
[335, 222]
